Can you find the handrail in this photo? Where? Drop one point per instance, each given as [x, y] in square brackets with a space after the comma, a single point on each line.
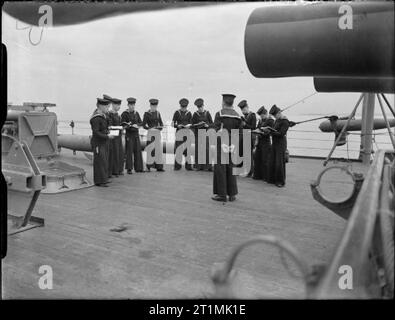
[356, 243]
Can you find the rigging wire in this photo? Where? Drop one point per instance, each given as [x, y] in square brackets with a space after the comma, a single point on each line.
[299, 101]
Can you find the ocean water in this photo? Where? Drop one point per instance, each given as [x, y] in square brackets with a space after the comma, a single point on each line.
[304, 139]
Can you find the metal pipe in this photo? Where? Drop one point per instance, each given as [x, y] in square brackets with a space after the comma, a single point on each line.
[386, 121]
[388, 104]
[343, 130]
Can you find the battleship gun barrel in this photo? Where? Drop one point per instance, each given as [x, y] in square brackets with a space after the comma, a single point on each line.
[315, 39]
[12, 115]
[354, 125]
[79, 142]
[75, 142]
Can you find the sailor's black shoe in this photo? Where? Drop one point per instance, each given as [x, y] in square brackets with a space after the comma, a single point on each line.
[232, 198]
[160, 170]
[219, 198]
[130, 172]
[101, 185]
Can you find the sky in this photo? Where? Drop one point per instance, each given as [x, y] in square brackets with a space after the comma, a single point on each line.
[169, 54]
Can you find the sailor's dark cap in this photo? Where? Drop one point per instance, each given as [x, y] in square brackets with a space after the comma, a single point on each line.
[184, 102]
[274, 110]
[228, 98]
[242, 104]
[199, 102]
[107, 97]
[154, 102]
[131, 100]
[116, 100]
[261, 110]
[103, 102]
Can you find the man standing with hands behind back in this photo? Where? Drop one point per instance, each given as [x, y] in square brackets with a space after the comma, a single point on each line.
[225, 183]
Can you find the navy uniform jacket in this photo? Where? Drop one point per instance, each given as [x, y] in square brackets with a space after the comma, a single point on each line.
[152, 120]
[265, 138]
[99, 125]
[131, 118]
[249, 121]
[204, 116]
[181, 117]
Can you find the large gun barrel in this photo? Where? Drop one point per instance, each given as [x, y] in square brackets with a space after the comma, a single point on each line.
[311, 40]
[79, 142]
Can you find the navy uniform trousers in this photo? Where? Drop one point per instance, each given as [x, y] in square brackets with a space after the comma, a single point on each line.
[134, 156]
[224, 181]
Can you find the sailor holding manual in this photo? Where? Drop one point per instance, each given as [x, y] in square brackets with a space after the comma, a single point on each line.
[182, 119]
[153, 121]
[99, 143]
[224, 182]
[279, 147]
[116, 156]
[249, 123]
[262, 151]
[201, 120]
[131, 121]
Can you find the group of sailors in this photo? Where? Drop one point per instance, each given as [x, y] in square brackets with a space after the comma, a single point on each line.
[268, 138]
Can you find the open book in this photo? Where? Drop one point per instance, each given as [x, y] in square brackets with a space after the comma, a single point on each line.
[264, 130]
[200, 124]
[115, 127]
[114, 132]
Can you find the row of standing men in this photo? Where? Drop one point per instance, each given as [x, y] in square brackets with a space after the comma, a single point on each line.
[268, 152]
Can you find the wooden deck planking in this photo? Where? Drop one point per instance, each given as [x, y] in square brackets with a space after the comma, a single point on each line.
[176, 233]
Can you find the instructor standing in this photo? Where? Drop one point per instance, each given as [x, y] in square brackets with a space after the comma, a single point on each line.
[225, 183]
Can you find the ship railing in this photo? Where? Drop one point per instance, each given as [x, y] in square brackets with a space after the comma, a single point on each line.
[296, 148]
[363, 264]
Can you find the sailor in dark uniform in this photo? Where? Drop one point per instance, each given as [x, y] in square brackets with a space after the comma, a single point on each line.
[182, 119]
[224, 182]
[131, 121]
[99, 143]
[153, 121]
[249, 123]
[109, 143]
[279, 147]
[201, 120]
[262, 150]
[116, 156]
